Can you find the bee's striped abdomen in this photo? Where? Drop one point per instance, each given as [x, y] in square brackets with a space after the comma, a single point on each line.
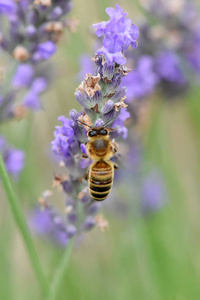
[100, 180]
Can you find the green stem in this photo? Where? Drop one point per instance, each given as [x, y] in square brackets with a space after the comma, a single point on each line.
[21, 223]
[58, 278]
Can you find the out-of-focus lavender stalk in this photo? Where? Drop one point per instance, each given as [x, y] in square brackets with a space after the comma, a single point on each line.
[29, 32]
[30, 37]
[167, 64]
[168, 59]
[102, 100]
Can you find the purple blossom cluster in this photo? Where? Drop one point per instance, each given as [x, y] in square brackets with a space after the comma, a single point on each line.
[119, 34]
[30, 36]
[142, 80]
[172, 44]
[29, 31]
[49, 223]
[33, 27]
[28, 83]
[102, 99]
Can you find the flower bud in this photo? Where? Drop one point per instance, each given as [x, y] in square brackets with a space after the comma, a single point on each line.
[107, 107]
[89, 223]
[113, 86]
[30, 31]
[99, 123]
[71, 230]
[82, 99]
[21, 53]
[56, 13]
[108, 71]
[74, 115]
[119, 95]
[97, 98]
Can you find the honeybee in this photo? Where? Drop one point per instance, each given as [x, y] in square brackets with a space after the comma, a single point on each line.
[100, 149]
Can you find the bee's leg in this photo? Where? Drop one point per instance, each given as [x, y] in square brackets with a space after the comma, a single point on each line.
[116, 167]
[84, 155]
[85, 176]
[114, 149]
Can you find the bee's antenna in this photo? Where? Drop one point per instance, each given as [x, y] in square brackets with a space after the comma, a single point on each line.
[84, 123]
[108, 121]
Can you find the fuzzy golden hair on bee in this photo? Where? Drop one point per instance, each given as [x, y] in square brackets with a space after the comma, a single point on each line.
[99, 146]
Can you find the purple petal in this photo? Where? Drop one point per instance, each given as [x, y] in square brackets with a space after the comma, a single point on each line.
[71, 230]
[119, 33]
[32, 101]
[99, 123]
[39, 85]
[83, 148]
[40, 221]
[15, 161]
[23, 76]
[46, 49]
[83, 100]
[85, 162]
[107, 107]
[8, 7]
[168, 67]
[89, 223]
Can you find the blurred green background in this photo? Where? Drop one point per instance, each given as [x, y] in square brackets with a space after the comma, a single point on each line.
[157, 257]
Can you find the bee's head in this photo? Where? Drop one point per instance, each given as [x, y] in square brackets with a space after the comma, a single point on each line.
[100, 132]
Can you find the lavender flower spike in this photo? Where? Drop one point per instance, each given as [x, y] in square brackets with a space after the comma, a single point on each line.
[29, 32]
[102, 100]
[29, 36]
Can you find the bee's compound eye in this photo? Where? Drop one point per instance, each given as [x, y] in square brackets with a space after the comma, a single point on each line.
[92, 133]
[104, 131]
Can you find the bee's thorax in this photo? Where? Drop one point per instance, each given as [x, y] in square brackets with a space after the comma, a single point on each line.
[100, 148]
